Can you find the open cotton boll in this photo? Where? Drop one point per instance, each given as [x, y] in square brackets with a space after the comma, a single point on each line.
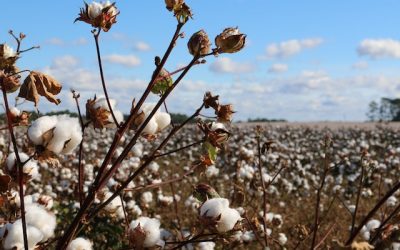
[207, 245]
[30, 168]
[151, 226]
[59, 134]
[94, 9]
[15, 240]
[219, 207]
[39, 127]
[162, 120]
[214, 207]
[373, 224]
[151, 127]
[282, 239]
[67, 135]
[40, 218]
[80, 244]
[8, 52]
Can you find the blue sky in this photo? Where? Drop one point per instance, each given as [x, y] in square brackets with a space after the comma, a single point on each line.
[307, 60]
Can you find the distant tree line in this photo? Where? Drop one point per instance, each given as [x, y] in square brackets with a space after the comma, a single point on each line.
[265, 120]
[386, 110]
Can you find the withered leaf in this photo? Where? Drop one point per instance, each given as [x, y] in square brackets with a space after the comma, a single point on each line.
[38, 84]
[4, 183]
[98, 116]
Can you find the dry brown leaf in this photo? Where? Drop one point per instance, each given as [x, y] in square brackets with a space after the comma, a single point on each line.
[38, 84]
[98, 116]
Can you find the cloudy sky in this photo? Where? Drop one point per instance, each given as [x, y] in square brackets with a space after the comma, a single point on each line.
[305, 60]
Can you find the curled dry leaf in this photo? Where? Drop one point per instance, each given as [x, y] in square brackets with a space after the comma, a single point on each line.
[38, 84]
[98, 116]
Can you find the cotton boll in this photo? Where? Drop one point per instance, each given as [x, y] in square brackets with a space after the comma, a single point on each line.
[43, 220]
[94, 9]
[219, 207]
[30, 168]
[151, 226]
[214, 207]
[147, 197]
[228, 220]
[373, 224]
[153, 167]
[212, 171]
[14, 238]
[162, 120]
[247, 236]
[151, 127]
[101, 102]
[66, 135]
[59, 134]
[39, 127]
[282, 239]
[137, 150]
[206, 245]
[80, 244]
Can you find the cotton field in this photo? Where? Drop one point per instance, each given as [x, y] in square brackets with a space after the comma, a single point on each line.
[178, 205]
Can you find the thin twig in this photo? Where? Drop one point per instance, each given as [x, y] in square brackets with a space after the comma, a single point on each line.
[318, 201]
[360, 186]
[81, 171]
[103, 82]
[179, 149]
[265, 207]
[19, 166]
[326, 235]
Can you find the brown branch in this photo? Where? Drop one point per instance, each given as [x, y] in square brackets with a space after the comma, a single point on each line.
[360, 186]
[265, 207]
[19, 166]
[103, 83]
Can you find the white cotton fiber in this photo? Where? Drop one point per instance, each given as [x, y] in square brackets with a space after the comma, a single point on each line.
[80, 244]
[30, 168]
[65, 133]
[218, 208]
[14, 238]
[152, 228]
[39, 127]
[162, 120]
[40, 218]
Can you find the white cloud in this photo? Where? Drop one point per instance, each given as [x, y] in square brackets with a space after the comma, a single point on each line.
[379, 48]
[291, 47]
[124, 60]
[278, 68]
[227, 65]
[360, 65]
[142, 46]
[55, 41]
